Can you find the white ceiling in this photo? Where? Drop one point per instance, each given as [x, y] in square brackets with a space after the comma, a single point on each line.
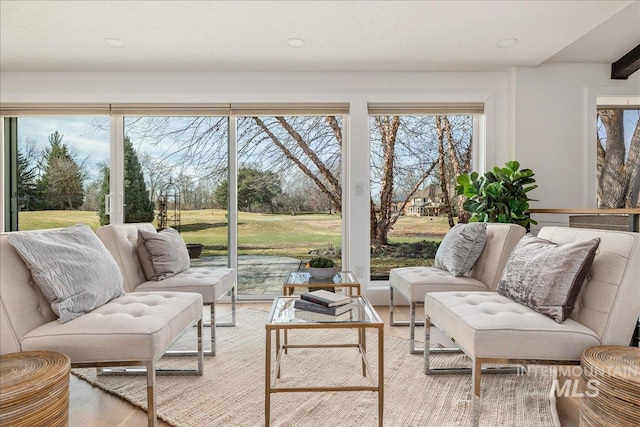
[339, 35]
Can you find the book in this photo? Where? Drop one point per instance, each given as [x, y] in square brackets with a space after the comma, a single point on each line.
[319, 317]
[326, 298]
[302, 304]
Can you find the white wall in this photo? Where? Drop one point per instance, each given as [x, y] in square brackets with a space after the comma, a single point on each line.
[554, 130]
[357, 89]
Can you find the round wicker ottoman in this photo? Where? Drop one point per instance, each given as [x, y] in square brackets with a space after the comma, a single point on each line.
[611, 386]
[34, 389]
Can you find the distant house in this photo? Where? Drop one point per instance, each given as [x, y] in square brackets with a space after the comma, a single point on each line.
[425, 202]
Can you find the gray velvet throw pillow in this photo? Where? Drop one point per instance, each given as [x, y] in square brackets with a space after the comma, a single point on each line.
[461, 248]
[547, 277]
[72, 268]
[163, 254]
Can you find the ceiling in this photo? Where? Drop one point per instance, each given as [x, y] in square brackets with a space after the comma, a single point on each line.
[339, 35]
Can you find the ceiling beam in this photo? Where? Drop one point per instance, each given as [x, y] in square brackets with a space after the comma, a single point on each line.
[627, 65]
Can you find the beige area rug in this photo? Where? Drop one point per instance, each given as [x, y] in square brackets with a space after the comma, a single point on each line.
[231, 392]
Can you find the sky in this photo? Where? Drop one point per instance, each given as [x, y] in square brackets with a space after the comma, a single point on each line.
[89, 142]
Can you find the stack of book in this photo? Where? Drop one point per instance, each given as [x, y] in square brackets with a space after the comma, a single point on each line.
[324, 303]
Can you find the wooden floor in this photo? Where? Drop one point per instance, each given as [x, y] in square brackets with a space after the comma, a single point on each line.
[92, 407]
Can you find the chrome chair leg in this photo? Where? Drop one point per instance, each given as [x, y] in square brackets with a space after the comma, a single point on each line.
[181, 372]
[428, 370]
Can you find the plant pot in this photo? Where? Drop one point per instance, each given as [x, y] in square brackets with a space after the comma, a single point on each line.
[195, 249]
[321, 273]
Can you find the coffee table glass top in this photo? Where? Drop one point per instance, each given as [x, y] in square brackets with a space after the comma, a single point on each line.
[304, 278]
[284, 313]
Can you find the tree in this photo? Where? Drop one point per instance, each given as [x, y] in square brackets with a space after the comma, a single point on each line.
[104, 190]
[406, 153]
[618, 169]
[27, 178]
[137, 206]
[61, 184]
[255, 189]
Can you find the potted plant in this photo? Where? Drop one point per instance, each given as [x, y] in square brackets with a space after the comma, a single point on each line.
[321, 268]
[500, 195]
[195, 249]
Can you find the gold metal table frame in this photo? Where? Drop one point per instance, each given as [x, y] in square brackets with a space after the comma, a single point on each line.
[282, 319]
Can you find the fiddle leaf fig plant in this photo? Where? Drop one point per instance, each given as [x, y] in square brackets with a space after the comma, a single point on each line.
[500, 195]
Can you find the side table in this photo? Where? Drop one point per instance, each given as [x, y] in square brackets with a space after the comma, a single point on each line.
[34, 389]
[611, 386]
[302, 279]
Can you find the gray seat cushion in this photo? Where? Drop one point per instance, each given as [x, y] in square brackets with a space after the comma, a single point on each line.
[136, 326]
[489, 325]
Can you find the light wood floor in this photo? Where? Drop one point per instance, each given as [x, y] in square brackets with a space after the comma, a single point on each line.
[91, 407]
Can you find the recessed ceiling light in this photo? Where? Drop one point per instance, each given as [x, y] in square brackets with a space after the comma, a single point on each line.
[507, 42]
[114, 42]
[296, 42]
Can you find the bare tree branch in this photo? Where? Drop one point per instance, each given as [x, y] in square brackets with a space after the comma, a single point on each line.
[336, 200]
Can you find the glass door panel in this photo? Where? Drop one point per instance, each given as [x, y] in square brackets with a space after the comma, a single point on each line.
[59, 171]
[289, 198]
[174, 174]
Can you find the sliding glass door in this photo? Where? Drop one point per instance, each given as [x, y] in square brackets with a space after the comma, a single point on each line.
[175, 173]
[289, 191]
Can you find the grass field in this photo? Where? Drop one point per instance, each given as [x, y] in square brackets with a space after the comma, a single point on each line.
[263, 234]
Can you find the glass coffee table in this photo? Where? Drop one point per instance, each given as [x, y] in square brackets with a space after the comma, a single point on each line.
[302, 279]
[282, 319]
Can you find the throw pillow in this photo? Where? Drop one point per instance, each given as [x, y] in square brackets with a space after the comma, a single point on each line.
[461, 248]
[163, 254]
[72, 268]
[546, 276]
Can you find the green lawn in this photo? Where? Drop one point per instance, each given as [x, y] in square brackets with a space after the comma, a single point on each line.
[263, 234]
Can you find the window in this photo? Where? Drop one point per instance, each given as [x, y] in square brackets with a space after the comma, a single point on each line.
[414, 160]
[53, 169]
[618, 156]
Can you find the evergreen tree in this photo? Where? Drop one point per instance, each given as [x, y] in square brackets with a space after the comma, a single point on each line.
[138, 207]
[255, 189]
[27, 188]
[61, 184]
[104, 190]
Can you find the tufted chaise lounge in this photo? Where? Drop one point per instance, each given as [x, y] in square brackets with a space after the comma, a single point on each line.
[491, 328]
[413, 283]
[212, 283]
[133, 330]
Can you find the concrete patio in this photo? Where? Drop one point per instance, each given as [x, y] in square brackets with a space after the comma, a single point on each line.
[257, 275]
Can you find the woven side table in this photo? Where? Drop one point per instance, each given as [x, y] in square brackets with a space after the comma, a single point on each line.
[34, 389]
[611, 386]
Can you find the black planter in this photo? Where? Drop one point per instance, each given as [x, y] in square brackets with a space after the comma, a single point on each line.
[195, 249]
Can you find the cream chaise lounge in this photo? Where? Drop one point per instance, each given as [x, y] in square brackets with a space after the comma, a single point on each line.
[492, 328]
[212, 283]
[413, 283]
[135, 329]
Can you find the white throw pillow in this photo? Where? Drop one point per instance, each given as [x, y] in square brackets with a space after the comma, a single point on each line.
[72, 268]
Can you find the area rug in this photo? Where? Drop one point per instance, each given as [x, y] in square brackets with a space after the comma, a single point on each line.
[231, 391]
